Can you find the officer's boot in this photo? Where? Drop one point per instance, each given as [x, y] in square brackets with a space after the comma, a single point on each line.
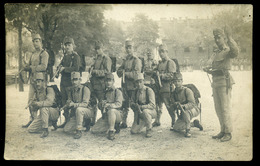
[78, 134]
[111, 135]
[45, 133]
[148, 133]
[124, 119]
[28, 124]
[157, 120]
[54, 124]
[226, 137]
[187, 133]
[197, 124]
[117, 127]
[219, 135]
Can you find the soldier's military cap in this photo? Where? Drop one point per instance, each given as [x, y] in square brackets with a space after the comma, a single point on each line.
[75, 75]
[36, 36]
[39, 76]
[98, 44]
[109, 76]
[218, 32]
[163, 47]
[128, 43]
[68, 40]
[139, 76]
[177, 76]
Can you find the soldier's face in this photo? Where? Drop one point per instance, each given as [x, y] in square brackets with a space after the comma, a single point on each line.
[68, 47]
[98, 51]
[219, 40]
[139, 84]
[129, 50]
[163, 53]
[177, 83]
[37, 43]
[39, 84]
[109, 83]
[76, 82]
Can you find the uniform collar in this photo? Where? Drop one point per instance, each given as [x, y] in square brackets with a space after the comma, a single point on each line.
[77, 88]
[144, 87]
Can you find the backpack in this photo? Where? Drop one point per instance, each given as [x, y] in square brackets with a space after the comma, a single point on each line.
[142, 60]
[195, 91]
[176, 64]
[92, 100]
[58, 97]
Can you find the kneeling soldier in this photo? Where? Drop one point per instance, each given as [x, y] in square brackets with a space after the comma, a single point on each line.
[78, 98]
[111, 108]
[44, 101]
[183, 100]
[143, 107]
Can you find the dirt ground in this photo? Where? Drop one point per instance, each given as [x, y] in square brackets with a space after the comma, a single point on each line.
[163, 145]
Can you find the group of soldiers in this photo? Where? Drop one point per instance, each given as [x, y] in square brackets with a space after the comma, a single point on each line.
[143, 89]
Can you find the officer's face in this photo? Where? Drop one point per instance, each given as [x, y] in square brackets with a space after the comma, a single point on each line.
[149, 55]
[163, 53]
[109, 83]
[76, 82]
[68, 47]
[39, 84]
[129, 50]
[37, 43]
[219, 40]
[139, 84]
[177, 83]
[98, 51]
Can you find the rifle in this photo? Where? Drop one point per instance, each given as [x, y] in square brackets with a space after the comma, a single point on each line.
[90, 73]
[57, 73]
[123, 77]
[159, 79]
[30, 103]
[16, 77]
[103, 112]
[65, 106]
[139, 111]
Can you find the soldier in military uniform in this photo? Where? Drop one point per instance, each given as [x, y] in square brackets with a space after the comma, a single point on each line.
[182, 99]
[77, 103]
[143, 107]
[222, 80]
[130, 67]
[101, 66]
[37, 63]
[165, 71]
[70, 63]
[111, 108]
[44, 101]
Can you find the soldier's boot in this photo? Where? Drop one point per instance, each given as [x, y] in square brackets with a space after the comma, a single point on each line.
[197, 124]
[111, 135]
[78, 134]
[148, 133]
[219, 135]
[45, 133]
[117, 128]
[157, 120]
[54, 124]
[226, 137]
[171, 128]
[124, 119]
[87, 124]
[187, 133]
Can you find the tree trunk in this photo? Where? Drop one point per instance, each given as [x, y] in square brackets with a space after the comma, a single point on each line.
[20, 55]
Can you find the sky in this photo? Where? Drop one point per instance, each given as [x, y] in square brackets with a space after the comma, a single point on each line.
[125, 12]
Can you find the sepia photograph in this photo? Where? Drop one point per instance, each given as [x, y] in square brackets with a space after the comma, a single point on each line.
[128, 82]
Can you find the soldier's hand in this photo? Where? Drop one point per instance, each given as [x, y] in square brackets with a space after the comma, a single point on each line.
[62, 68]
[27, 68]
[176, 104]
[35, 104]
[107, 105]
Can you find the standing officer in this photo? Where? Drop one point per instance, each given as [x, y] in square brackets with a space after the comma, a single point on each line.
[77, 103]
[111, 108]
[102, 65]
[143, 107]
[45, 102]
[222, 80]
[165, 70]
[38, 63]
[128, 70]
[183, 99]
[70, 63]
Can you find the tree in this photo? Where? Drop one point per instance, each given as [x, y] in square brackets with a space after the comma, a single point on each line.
[18, 15]
[143, 32]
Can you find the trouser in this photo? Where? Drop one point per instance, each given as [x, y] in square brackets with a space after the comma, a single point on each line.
[48, 115]
[81, 114]
[99, 95]
[222, 102]
[145, 120]
[112, 117]
[130, 95]
[31, 96]
[64, 100]
[164, 97]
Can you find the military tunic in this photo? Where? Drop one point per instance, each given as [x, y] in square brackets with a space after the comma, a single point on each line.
[48, 112]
